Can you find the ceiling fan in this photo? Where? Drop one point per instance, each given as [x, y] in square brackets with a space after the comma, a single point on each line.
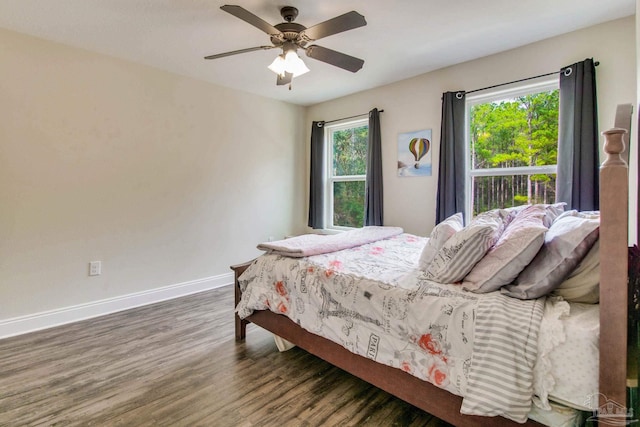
[291, 36]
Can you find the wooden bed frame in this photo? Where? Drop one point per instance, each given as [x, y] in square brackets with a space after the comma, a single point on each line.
[446, 406]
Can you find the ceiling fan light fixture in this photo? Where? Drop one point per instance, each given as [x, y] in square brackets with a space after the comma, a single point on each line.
[278, 65]
[294, 65]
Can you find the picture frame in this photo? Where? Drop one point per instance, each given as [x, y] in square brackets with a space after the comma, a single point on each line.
[414, 153]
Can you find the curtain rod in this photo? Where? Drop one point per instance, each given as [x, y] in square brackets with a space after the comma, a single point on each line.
[516, 81]
[351, 117]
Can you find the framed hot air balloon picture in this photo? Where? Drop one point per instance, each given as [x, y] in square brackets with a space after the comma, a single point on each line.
[414, 153]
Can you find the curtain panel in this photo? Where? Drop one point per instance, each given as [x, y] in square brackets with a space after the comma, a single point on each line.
[316, 186]
[577, 181]
[451, 172]
[373, 209]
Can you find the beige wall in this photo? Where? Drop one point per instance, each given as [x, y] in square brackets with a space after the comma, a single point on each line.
[169, 180]
[163, 178]
[415, 103]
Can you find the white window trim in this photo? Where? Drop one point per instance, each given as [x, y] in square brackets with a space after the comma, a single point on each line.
[512, 91]
[329, 179]
[522, 170]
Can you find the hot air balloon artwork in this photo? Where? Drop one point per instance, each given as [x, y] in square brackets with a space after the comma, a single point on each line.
[414, 153]
[419, 147]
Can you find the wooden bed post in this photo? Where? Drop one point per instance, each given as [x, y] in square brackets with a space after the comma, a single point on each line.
[240, 324]
[614, 202]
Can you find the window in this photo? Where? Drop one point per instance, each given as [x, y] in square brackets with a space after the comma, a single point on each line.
[346, 174]
[512, 147]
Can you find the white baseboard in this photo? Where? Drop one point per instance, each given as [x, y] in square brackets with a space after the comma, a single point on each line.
[48, 319]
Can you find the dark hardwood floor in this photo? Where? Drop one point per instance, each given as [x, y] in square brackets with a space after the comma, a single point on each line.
[176, 363]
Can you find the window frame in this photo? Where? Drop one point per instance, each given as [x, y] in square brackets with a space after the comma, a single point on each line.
[483, 97]
[329, 178]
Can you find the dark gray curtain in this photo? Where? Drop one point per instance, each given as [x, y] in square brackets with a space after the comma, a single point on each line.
[451, 173]
[316, 187]
[373, 186]
[578, 161]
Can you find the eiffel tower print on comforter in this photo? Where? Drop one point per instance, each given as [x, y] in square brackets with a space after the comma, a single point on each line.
[373, 301]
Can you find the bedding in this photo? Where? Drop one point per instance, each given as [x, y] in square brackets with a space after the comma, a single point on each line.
[583, 285]
[516, 247]
[558, 416]
[612, 319]
[373, 301]
[439, 235]
[314, 244]
[567, 242]
[465, 248]
[552, 211]
[567, 365]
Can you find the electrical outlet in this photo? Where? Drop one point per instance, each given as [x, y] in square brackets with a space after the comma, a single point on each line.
[95, 268]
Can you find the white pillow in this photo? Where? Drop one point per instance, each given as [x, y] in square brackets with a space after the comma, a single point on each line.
[566, 243]
[439, 235]
[517, 246]
[466, 247]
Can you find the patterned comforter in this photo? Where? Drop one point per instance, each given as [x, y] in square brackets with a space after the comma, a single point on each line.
[374, 302]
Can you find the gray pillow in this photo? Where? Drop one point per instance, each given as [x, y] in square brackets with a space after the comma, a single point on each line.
[439, 235]
[552, 211]
[583, 284]
[517, 246]
[465, 248]
[567, 242]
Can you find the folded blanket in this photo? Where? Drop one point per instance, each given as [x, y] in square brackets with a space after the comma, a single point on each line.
[314, 244]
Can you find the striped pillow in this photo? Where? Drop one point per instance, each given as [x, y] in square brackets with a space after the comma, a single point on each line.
[465, 248]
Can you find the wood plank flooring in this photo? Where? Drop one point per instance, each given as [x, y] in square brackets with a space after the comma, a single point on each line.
[176, 363]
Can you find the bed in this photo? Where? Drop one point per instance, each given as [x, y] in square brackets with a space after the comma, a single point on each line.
[448, 370]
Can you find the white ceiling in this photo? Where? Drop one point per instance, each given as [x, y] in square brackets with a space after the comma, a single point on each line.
[402, 38]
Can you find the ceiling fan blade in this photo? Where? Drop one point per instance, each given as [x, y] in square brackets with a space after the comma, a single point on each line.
[348, 21]
[245, 15]
[344, 61]
[284, 80]
[235, 52]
